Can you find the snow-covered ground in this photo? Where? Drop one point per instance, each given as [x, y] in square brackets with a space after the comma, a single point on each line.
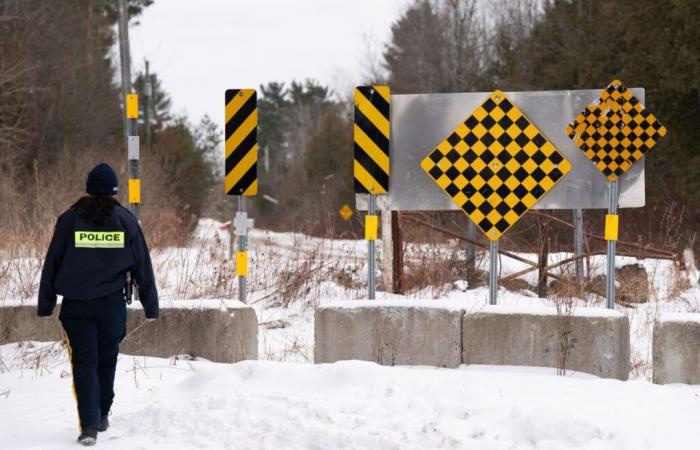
[283, 403]
[168, 404]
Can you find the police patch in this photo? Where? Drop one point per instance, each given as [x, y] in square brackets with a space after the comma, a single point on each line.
[99, 239]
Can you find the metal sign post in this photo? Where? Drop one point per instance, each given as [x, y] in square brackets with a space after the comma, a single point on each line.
[371, 236]
[241, 230]
[241, 168]
[371, 162]
[493, 273]
[611, 230]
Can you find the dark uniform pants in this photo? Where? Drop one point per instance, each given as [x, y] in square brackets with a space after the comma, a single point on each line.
[94, 329]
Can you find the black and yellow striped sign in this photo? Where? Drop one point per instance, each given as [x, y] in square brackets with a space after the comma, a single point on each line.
[616, 132]
[241, 147]
[496, 165]
[372, 110]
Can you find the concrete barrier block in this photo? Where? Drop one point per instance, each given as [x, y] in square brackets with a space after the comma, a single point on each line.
[388, 333]
[588, 340]
[676, 349]
[19, 322]
[216, 334]
[222, 333]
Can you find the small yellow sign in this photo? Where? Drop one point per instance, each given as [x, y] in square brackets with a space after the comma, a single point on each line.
[346, 212]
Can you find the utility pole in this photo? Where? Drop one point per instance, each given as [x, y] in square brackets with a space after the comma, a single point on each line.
[147, 93]
[125, 58]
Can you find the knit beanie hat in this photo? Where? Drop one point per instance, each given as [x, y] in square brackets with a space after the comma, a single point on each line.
[102, 180]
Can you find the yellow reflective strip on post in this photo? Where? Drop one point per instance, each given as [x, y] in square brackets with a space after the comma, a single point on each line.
[135, 190]
[371, 223]
[612, 222]
[132, 106]
[242, 264]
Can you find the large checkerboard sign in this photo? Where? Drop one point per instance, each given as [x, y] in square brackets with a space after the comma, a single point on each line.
[496, 165]
[615, 132]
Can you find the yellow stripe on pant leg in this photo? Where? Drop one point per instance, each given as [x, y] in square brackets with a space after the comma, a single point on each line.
[72, 384]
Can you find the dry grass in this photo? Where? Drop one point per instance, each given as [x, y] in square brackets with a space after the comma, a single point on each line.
[438, 266]
[38, 358]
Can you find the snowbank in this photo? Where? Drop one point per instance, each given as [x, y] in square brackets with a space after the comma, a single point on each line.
[680, 317]
[169, 405]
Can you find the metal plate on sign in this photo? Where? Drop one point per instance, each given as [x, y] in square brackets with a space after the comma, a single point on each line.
[240, 224]
[133, 147]
[420, 122]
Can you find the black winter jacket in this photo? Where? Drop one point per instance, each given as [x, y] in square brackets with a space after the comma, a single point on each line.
[86, 261]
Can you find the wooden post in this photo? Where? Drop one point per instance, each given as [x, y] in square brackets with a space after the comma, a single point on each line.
[387, 251]
[542, 261]
[397, 253]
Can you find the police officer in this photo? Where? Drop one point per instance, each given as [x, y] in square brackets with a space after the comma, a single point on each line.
[95, 243]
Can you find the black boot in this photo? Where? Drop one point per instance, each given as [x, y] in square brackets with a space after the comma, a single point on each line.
[104, 423]
[88, 437]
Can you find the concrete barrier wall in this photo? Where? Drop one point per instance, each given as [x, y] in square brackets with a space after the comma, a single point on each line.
[676, 349]
[588, 340]
[443, 335]
[20, 323]
[217, 334]
[388, 335]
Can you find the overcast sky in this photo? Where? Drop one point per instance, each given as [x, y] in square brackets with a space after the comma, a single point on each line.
[201, 48]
